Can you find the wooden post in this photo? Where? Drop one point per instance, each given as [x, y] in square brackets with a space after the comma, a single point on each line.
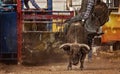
[19, 30]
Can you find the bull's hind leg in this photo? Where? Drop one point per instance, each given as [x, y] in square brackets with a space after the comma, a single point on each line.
[82, 58]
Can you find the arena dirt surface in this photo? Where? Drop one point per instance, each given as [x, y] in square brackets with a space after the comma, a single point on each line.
[103, 63]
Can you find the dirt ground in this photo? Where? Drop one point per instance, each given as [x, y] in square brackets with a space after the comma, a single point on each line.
[103, 63]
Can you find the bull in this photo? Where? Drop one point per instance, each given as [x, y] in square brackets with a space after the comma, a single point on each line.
[76, 47]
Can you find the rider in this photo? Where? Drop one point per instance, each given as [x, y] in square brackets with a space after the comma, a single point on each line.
[85, 11]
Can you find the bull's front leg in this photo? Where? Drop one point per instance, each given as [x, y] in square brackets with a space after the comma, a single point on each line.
[70, 64]
[82, 58]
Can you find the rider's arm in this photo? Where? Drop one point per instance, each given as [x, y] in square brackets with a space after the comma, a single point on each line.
[88, 9]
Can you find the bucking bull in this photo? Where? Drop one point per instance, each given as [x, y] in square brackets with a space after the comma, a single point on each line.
[79, 38]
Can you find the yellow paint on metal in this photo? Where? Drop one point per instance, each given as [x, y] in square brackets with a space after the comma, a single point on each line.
[57, 25]
[112, 28]
[114, 20]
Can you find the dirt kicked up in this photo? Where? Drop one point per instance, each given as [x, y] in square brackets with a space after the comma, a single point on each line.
[103, 63]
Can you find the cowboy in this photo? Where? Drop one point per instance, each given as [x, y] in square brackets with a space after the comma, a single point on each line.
[85, 11]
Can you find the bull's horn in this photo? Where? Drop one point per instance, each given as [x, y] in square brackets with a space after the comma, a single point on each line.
[64, 45]
[84, 45]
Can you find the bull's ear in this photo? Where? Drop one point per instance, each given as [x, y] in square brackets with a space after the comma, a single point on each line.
[84, 50]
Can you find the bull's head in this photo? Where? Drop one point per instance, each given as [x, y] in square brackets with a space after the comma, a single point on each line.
[74, 51]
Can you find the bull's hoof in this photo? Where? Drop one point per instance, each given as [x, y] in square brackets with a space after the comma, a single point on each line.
[81, 69]
[69, 68]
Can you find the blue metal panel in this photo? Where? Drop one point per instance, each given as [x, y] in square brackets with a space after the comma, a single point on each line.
[49, 7]
[49, 4]
[8, 32]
